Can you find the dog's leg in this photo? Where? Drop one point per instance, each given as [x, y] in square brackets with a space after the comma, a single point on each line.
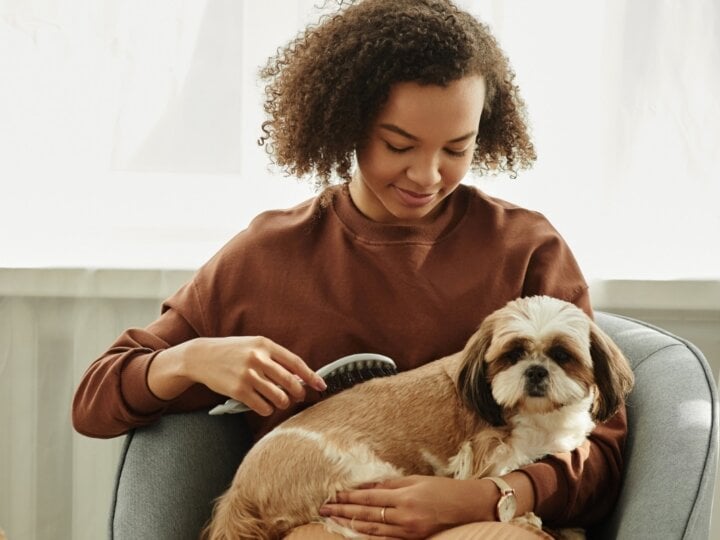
[461, 465]
[271, 495]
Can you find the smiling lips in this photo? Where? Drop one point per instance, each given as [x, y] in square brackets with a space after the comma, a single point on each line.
[410, 198]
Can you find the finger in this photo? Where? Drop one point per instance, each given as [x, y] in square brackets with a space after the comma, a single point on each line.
[268, 390]
[284, 379]
[258, 404]
[294, 364]
[259, 394]
[356, 511]
[367, 497]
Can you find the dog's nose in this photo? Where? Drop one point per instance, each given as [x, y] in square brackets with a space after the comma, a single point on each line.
[536, 374]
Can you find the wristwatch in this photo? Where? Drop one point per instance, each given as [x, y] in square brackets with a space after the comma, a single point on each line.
[507, 505]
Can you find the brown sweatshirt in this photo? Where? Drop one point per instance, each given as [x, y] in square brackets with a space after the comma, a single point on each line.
[328, 282]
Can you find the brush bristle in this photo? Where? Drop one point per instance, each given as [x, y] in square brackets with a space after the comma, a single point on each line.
[339, 375]
[354, 373]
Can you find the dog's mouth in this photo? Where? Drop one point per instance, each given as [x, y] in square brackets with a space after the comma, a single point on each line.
[535, 391]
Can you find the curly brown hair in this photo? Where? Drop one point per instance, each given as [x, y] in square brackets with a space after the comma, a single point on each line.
[325, 88]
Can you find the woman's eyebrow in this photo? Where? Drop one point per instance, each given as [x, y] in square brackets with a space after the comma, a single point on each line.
[401, 131]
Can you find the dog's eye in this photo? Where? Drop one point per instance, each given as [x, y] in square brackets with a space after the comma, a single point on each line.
[513, 355]
[560, 355]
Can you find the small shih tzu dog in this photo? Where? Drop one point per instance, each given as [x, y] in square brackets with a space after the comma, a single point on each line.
[532, 381]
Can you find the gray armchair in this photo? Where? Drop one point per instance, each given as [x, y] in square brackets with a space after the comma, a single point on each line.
[170, 473]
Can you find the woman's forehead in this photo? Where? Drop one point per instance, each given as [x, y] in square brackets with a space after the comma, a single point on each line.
[443, 112]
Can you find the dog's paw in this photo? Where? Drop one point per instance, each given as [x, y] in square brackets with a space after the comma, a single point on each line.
[529, 519]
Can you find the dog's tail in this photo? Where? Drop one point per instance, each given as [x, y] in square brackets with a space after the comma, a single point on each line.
[236, 518]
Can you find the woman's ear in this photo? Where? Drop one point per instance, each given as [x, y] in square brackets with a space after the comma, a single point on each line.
[613, 375]
[473, 385]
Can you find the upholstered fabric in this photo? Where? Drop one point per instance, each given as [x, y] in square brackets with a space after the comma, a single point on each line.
[672, 446]
[170, 473]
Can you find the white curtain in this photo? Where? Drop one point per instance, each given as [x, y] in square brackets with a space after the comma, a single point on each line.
[624, 98]
[57, 484]
[127, 140]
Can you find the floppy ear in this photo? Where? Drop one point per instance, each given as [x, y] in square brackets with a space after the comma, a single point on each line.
[472, 383]
[613, 375]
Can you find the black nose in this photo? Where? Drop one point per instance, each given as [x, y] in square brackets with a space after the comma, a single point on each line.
[536, 374]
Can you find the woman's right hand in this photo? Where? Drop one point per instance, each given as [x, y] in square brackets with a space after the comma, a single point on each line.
[253, 370]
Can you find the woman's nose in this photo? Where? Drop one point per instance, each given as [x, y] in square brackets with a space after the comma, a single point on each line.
[425, 170]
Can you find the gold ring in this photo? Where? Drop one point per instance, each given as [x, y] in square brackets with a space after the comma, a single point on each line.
[382, 514]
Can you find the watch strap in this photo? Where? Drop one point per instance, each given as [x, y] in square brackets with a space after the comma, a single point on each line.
[502, 485]
[506, 492]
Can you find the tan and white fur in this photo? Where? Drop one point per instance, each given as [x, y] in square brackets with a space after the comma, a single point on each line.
[532, 381]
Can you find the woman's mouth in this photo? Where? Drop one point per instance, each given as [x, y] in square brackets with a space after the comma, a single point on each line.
[412, 198]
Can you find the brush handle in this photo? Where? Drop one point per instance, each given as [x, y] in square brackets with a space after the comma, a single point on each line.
[344, 365]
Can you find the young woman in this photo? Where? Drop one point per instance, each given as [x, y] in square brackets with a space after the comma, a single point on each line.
[399, 100]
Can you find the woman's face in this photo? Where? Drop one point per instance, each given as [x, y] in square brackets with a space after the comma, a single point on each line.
[419, 149]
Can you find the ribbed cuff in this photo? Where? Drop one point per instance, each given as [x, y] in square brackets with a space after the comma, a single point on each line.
[134, 386]
[551, 491]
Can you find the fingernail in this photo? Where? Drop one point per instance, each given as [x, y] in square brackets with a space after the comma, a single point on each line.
[324, 511]
[320, 384]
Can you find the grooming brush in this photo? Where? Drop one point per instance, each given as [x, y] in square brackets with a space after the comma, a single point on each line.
[339, 375]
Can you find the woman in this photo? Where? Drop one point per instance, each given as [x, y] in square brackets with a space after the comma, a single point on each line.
[400, 259]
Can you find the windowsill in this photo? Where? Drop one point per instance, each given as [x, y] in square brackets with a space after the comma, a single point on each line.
[625, 294]
[656, 295]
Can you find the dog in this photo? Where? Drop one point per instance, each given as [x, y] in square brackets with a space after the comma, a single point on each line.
[531, 381]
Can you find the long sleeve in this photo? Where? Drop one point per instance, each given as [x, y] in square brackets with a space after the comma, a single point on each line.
[581, 487]
[552, 270]
[113, 395]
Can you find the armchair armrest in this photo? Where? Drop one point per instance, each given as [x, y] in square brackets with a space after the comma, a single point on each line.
[672, 446]
[171, 472]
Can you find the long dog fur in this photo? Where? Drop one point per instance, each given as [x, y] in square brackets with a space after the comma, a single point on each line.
[439, 419]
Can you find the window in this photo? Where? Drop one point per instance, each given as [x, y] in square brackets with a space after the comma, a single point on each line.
[128, 129]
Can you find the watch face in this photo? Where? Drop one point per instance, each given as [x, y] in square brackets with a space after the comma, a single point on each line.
[506, 507]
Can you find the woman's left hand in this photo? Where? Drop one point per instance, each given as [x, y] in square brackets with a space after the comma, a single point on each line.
[407, 507]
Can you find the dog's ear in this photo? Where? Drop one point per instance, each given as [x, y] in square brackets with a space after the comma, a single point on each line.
[613, 375]
[473, 384]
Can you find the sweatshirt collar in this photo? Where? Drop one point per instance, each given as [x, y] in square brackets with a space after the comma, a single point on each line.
[454, 209]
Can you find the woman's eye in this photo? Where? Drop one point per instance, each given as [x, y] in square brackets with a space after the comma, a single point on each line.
[396, 149]
[455, 153]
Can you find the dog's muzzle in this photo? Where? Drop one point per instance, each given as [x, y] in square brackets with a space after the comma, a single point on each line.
[536, 381]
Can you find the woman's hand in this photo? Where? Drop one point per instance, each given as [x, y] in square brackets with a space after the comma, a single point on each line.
[412, 506]
[254, 370]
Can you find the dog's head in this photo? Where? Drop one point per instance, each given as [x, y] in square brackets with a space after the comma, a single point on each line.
[538, 354]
